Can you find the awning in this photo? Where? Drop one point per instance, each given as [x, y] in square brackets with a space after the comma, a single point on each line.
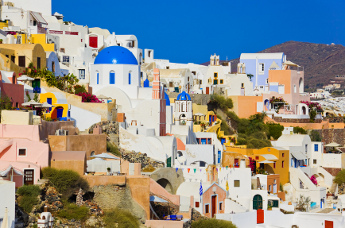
[105, 156]
[157, 199]
[269, 157]
[6, 171]
[267, 162]
[333, 144]
[38, 17]
[298, 155]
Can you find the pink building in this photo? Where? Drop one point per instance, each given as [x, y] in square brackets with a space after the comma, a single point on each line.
[213, 200]
[22, 154]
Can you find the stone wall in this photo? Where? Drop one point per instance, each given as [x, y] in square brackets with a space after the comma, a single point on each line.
[112, 196]
[332, 135]
[286, 120]
[145, 161]
[111, 128]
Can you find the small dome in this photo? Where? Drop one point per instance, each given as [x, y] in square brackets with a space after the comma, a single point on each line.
[183, 96]
[116, 55]
[166, 97]
[146, 83]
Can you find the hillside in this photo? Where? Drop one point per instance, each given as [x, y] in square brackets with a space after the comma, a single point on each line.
[321, 62]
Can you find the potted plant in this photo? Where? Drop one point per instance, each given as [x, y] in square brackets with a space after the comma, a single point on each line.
[1, 41]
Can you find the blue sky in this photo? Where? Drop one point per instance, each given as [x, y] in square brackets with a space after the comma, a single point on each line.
[190, 30]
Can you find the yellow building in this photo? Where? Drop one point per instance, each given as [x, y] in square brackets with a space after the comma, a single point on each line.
[273, 160]
[3, 24]
[24, 54]
[59, 102]
[21, 38]
[42, 39]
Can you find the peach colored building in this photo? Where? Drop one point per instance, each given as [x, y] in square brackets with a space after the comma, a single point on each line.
[22, 154]
[73, 160]
[213, 200]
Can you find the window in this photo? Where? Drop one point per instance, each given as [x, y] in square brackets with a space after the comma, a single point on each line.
[97, 78]
[22, 152]
[314, 161]
[171, 84]
[112, 77]
[196, 204]
[270, 188]
[242, 85]
[208, 141]
[306, 148]
[221, 81]
[215, 75]
[219, 156]
[261, 68]
[38, 62]
[221, 206]
[167, 67]
[194, 72]
[81, 73]
[129, 78]
[19, 39]
[92, 153]
[13, 58]
[7, 56]
[256, 157]
[62, 50]
[283, 154]
[236, 183]
[65, 59]
[267, 81]
[21, 61]
[282, 164]
[53, 67]
[274, 165]
[207, 208]
[316, 147]
[215, 81]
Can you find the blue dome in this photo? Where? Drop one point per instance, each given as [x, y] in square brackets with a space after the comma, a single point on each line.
[116, 55]
[167, 100]
[183, 96]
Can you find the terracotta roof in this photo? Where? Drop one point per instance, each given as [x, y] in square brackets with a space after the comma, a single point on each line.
[68, 155]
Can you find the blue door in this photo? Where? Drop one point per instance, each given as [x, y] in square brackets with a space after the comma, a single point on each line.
[50, 101]
[112, 78]
[222, 141]
[59, 113]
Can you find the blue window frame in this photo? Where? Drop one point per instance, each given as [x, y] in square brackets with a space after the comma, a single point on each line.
[129, 78]
[112, 78]
[316, 147]
[219, 155]
[50, 101]
[97, 78]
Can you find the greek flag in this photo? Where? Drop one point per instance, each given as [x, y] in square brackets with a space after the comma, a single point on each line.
[200, 189]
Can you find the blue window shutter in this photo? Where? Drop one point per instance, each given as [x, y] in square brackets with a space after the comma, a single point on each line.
[129, 78]
[112, 78]
[219, 155]
[316, 147]
[97, 78]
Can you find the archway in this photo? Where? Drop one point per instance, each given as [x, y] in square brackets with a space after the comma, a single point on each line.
[165, 184]
[304, 111]
[257, 202]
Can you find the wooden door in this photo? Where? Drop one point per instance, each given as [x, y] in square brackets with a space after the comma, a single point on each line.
[28, 177]
[207, 90]
[328, 224]
[260, 216]
[214, 206]
[93, 41]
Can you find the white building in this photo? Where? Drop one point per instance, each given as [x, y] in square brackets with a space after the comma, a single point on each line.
[7, 203]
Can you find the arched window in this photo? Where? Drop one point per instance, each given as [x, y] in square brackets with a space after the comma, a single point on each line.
[129, 78]
[112, 77]
[97, 73]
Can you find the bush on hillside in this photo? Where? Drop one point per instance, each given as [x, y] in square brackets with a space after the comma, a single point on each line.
[299, 130]
[315, 136]
[340, 177]
[212, 223]
[275, 130]
[220, 102]
[72, 211]
[120, 219]
[67, 182]
[28, 197]
[113, 149]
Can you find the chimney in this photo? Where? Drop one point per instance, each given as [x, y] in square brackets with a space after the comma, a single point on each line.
[243, 163]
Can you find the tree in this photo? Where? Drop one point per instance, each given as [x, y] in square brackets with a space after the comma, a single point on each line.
[299, 130]
[212, 223]
[220, 102]
[340, 178]
[303, 203]
[275, 130]
[315, 136]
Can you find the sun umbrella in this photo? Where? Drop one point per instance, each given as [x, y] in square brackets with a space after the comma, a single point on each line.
[31, 103]
[103, 97]
[25, 78]
[105, 156]
[333, 144]
[46, 105]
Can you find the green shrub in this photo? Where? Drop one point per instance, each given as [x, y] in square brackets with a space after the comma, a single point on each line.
[340, 177]
[66, 182]
[220, 102]
[212, 223]
[28, 197]
[299, 130]
[113, 149]
[79, 89]
[123, 219]
[275, 130]
[27, 202]
[315, 136]
[29, 190]
[72, 211]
